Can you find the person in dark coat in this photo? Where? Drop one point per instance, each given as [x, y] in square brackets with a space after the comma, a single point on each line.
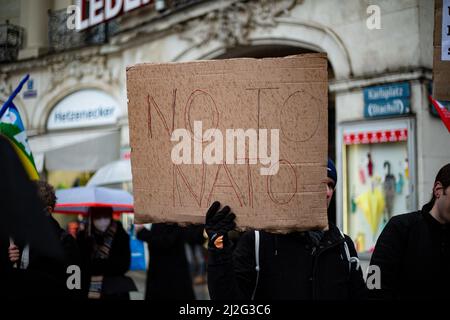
[22, 220]
[168, 276]
[296, 266]
[8, 289]
[413, 251]
[41, 265]
[41, 275]
[105, 257]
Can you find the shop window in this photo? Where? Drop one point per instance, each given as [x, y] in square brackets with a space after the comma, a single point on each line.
[377, 182]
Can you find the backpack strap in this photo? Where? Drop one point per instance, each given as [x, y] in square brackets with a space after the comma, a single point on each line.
[350, 259]
[257, 268]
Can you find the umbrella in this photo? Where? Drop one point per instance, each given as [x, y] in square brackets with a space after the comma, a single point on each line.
[114, 172]
[79, 200]
[372, 205]
[389, 188]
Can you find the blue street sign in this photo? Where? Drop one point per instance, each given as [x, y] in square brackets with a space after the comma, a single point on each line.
[387, 100]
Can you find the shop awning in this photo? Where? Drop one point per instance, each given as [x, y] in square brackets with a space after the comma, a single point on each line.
[75, 151]
[376, 136]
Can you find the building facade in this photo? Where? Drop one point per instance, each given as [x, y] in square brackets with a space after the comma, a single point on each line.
[387, 143]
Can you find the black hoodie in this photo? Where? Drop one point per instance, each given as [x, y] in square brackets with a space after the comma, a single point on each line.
[292, 267]
[413, 254]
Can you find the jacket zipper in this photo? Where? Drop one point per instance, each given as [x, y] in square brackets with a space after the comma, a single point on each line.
[316, 262]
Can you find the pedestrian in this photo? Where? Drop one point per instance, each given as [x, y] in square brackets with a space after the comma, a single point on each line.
[105, 257]
[298, 265]
[168, 276]
[38, 275]
[43, 276]
[412, 253]
[22, 221]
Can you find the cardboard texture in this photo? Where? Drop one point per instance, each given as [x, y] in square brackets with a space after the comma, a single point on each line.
[289, 94]
[441, 69]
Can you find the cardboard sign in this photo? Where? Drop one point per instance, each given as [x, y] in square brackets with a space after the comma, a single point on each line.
[441, 59]
[249, 133]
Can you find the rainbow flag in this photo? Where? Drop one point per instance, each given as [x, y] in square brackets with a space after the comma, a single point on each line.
[11, 126]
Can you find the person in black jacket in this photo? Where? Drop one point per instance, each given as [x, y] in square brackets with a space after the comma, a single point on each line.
[40, 275]
[168, 276]
[22, 221]
[105, 257]
[298, 265]
[413, 251]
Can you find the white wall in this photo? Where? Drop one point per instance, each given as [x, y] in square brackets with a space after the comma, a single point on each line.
[395, 46]
[10, 10]
[349, 106]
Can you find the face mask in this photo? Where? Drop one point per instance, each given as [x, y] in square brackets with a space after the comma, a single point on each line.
[102, 224]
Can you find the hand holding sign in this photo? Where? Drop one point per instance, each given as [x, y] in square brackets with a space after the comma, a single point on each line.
[218, 224]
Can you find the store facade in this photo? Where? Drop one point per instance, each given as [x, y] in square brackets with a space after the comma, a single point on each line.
[389, 147]
[377, 161]
[80, 133]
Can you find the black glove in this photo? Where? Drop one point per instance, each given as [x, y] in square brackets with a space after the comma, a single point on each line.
[218, 224]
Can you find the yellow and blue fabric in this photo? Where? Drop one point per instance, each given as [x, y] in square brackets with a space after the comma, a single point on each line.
[11, 127]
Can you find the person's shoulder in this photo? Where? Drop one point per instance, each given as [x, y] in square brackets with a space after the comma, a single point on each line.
[340, 234]
[263, 234]
[348, 239]
[119, 228]
[66, 237]
[119, 225]
[399, 226]
[405, 220]
[248, 235]
[81, 235]
[335, 233]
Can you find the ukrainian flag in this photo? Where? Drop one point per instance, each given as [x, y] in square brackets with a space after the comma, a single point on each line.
[11, 126]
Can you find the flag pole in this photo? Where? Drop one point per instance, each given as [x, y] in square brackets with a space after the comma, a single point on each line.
[13, 95]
